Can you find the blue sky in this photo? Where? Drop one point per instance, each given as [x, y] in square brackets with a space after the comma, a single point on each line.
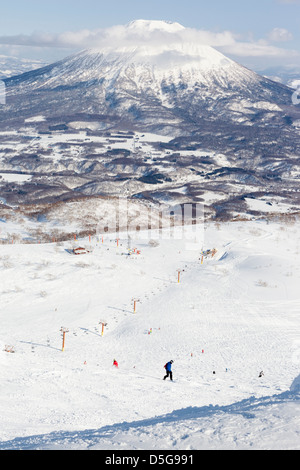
[265, 32]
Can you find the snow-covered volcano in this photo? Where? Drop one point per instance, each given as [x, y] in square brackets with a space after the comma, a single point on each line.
[154, 76]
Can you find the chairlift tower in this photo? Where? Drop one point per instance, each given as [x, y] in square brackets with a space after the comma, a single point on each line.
[64, 331]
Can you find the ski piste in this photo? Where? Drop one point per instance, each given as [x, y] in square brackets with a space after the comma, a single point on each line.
[230, 307]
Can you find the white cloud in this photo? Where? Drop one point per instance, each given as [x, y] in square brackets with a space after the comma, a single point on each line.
[258, 49]
[280, 35]
[118, 37]
[158, 36]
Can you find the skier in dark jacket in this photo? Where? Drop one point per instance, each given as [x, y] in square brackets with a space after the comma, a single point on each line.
[168, 368]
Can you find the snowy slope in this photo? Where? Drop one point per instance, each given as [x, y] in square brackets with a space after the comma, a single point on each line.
[235, 314]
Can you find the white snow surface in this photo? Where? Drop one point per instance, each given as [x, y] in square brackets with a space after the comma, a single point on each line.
[235, 314]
